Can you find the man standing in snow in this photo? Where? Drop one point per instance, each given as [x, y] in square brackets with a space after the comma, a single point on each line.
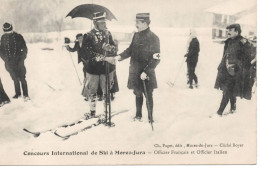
[96, 43]
[192, 58]
[78, 47]
[14, 52]
[233, 71]
[144, 51]
[4, 99]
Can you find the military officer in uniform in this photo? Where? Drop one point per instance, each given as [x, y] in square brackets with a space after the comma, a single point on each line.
[14, 52]
[233, 70]
[96, 44]
[144, 52]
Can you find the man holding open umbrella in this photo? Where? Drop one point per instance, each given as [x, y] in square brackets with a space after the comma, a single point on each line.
[98, 44]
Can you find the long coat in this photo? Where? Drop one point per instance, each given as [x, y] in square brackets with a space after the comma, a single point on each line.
[239, 56]
[92, 47]
[13, 51]
[144, 52]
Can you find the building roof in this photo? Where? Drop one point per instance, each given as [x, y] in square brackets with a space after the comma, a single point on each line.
[232, 7]
[248, 20]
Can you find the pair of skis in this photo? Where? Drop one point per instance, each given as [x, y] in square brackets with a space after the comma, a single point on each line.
[100, 120]
[37, 134]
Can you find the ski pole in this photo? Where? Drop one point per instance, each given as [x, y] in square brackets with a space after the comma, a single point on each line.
[177, 75]
[108, 101]
[75, 69]
[148, 104]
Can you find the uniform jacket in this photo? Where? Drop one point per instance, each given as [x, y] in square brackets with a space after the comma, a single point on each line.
[13, 51]
[237, 56]
[144, 53]
[92, 47]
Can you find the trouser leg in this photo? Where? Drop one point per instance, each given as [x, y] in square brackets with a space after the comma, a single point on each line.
[3, 95]
[233, 100]
[224, 102]
[17, 87]
[139, 105]
[192, 75]
[24, 87]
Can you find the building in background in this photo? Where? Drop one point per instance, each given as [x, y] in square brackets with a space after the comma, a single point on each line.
[233, 11]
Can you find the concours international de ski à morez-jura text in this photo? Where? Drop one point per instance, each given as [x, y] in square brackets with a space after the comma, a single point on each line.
[82, 153]
[159, 149]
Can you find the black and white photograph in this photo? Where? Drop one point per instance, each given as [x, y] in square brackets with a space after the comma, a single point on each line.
[128, 82]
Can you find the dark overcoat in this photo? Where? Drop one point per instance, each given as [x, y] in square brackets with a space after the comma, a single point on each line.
[193, 52]
[14, 51]
[241, 60]
[144, 52]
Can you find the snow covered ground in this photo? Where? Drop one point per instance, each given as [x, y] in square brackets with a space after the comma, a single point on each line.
[181, 115]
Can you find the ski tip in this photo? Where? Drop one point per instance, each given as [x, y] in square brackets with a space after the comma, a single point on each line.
[37, 134]
[63, 137]
[25, 129]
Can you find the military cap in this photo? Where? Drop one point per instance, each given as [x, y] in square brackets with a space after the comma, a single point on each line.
[143, 16]
[7, 27]
[235, 26]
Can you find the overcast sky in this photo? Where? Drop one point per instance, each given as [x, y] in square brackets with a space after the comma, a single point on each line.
[164, 13]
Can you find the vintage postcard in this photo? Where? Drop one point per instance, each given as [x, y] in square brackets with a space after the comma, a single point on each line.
[128, 82]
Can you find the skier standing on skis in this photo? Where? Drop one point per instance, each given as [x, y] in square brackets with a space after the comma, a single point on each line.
[144, 51]
[192, 58]
[94, 47]
[233, 70]
[14, 52]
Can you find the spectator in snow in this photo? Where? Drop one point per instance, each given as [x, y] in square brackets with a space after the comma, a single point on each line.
[78, 47]
[253, 80]
[233, 71]
[4, 99]
[192, 58]
[14, 51]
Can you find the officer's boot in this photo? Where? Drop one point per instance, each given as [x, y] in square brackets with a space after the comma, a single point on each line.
[17, 89]
[233, 104]
[223, 104]
[139, 105]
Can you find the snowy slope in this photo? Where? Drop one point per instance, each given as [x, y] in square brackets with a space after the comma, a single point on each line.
[180, 114]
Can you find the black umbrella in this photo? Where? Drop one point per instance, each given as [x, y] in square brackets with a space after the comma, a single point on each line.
[87, 10]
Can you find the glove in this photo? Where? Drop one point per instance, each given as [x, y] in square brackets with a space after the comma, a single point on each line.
[144, 76]
[99, 58]
[117, 58]
[110, 60]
